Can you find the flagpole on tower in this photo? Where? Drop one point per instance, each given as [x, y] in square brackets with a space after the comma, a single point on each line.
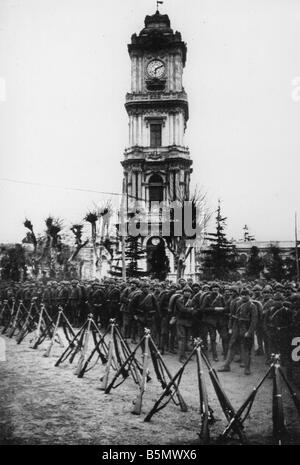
[157, 4]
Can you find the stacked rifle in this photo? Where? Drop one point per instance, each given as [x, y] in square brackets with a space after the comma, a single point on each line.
[150, 353]
[89, 346]
[19, 320]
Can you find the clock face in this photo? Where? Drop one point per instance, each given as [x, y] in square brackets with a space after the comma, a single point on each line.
[155, 240]
[156, 69]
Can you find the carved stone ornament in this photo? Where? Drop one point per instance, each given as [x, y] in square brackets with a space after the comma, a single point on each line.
[153, 156]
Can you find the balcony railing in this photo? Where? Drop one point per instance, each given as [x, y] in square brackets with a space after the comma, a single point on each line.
[156, 152]
[161, 96]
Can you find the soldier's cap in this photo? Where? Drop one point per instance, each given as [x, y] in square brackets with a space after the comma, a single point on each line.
[173, 286]
[234, 289]
[205, 287]
[295, 297]
[267, 288]
[245, 291]
[215, 285]
[278, 296]
[74, 281]
[278, 287]
[257, 287]
[195, 285]
[290, 287]
[187, 289]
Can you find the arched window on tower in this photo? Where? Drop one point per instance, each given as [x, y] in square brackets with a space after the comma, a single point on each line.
[156, 188]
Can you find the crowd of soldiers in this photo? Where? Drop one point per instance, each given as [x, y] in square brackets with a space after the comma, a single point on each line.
[236, 314]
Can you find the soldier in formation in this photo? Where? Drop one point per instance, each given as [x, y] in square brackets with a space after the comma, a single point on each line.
[236, 315]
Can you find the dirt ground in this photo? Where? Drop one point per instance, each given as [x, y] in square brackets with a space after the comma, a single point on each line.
[43, 404]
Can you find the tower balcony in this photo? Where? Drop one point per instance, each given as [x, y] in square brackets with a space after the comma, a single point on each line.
[156, 96]
[152, 154]
[136, 101]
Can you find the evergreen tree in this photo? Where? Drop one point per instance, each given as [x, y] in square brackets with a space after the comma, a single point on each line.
[255, 264]
[159, 262]
[221, 258]
[133, 253]
[274, 264]
[13, 264]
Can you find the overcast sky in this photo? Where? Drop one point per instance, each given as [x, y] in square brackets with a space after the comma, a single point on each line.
[64, 73]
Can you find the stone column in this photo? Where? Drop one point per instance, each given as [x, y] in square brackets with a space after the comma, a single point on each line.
[136, 130]
[174, 73]
[177, 129]
[169, 130]
[171, 178]
[138, 74]
[141, 75]
[129, 185]
[134, 73]
[132, 129]
[129, 131]
[133, 184]
[148, 134]
[173, 129]
[143, 190]
[171, 73]
[181, 128]
[139, 186]
[134, 139]
[178, 73]
[141, 130]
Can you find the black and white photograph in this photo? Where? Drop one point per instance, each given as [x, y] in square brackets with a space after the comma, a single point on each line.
[150, 215]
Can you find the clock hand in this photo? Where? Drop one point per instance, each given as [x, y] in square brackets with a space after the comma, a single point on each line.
[160, 66]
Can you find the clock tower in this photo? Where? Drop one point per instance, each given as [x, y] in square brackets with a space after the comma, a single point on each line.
[156, 163]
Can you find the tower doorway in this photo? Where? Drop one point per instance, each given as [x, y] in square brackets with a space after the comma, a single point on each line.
[157, 260]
